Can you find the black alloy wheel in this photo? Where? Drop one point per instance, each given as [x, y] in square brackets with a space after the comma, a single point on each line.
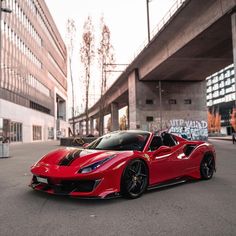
[207, 167]
[134, 179]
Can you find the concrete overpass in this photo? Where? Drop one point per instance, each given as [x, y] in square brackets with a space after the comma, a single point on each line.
[196, 41]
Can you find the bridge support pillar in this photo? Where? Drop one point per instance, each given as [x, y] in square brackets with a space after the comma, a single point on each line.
[233, 21]
[91, 125]
[132, 101]
[114, 116]
[139, 93]
[80, 128]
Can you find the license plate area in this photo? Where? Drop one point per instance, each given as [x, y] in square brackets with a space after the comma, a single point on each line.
[42, 180]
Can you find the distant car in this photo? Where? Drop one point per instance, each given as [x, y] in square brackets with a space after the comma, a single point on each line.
[123, 163]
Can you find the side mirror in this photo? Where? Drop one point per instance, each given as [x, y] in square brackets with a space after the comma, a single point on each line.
[85, 145]
[162, 149]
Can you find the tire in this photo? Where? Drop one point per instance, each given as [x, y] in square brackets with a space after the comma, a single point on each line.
[134, 180]
[207, 167]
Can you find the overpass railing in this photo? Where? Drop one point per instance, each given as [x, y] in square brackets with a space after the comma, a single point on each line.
[174, 8]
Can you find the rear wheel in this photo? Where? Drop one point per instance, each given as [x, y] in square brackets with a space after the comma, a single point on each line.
[134, 179]
[207, 167]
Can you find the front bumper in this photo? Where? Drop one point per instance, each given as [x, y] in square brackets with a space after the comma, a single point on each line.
[84, 188]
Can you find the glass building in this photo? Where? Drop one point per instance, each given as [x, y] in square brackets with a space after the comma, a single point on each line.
[221, 96]
[33, 70]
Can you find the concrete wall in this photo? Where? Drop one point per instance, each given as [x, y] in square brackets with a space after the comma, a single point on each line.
[174, 116]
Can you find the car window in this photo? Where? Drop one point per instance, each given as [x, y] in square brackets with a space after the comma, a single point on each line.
[168, 140]
[121, 141]
[155, 143]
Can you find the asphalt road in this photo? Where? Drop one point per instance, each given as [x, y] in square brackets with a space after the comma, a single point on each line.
[198, 208]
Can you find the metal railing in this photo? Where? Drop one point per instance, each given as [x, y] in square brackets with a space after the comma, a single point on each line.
[174, 8]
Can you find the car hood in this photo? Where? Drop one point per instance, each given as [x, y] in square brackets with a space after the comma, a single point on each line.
[75, 157]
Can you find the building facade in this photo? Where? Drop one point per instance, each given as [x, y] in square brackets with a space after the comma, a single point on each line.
[221, 98]
[33, 82]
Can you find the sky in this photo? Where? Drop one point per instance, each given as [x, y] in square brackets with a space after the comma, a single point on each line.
[127, 20]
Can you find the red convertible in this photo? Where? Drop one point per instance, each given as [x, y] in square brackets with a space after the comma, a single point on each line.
[123, 163]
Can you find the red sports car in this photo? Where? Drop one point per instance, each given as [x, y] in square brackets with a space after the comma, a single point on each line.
[123, 163]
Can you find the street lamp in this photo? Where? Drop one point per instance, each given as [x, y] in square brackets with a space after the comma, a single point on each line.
[160, 99]
[148, 20]
[159, 82]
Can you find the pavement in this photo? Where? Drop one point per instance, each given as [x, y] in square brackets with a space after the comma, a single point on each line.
[196, 208]
[226, 138]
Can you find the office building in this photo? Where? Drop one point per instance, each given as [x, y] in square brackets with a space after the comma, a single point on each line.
[33, 82]
[221, 97]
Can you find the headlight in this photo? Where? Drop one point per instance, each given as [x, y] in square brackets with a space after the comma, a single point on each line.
[95, 165]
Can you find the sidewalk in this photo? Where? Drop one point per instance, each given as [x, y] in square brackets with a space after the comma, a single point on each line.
[226, 138]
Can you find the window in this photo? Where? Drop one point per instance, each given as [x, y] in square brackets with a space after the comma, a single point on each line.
[229, 90]
[149, 118]
[209, 103]
[227, 74]
[215, 79]
[208, 81]
[39, 107]
[32, 81]
[156, 143]
[16, 132]
[121, 141]
[51, 58]
[149, 101]
[222, 92]
[172, 101]
[215, 87]
[209, 89]
[209, 96]
[168, 140]
[37, 132]
[50, 133]
[222, 84]
[187, 101]
[228, 82]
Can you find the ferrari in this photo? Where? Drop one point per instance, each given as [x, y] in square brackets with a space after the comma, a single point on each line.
[123, 163]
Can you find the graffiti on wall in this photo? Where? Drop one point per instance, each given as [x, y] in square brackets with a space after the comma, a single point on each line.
[189, 129]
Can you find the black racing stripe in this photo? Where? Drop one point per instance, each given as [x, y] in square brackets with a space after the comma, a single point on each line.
[70, 157]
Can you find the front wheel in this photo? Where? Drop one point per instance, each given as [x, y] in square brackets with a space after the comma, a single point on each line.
[207, 167]
[134, 180]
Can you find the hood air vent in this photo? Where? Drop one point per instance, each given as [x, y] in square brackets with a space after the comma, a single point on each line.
[67, 160]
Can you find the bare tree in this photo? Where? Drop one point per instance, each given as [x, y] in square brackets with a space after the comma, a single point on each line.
[71, 30]
[87, 55]
[233, 119]
[106, 61]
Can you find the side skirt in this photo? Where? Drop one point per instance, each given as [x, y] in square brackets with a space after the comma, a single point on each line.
[167, 184]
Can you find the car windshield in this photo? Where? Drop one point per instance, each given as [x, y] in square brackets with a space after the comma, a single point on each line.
[121, 141]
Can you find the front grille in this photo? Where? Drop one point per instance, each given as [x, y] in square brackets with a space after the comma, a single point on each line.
[68, 186]
[76, 186]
